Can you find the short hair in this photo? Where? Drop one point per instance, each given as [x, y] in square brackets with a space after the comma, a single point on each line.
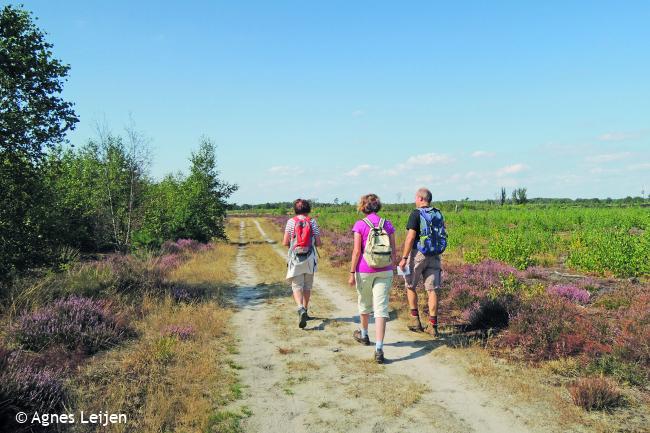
[301, 206]
[424, 194]
[369, 203]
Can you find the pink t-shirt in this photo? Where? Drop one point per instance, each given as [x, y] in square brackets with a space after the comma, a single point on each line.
[363, 229]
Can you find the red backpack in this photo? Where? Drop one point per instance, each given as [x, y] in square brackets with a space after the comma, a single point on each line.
[301, 243]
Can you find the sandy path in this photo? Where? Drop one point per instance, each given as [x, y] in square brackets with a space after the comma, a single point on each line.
[328, 383]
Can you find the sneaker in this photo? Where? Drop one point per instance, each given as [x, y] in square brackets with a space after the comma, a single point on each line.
[414, 324]
[379, 356]
[363, 340]
[432, 330]
[302, 318]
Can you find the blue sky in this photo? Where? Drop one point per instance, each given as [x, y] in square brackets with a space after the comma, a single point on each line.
[334, 99]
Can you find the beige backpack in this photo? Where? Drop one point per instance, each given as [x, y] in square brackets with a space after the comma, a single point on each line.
[377, 252]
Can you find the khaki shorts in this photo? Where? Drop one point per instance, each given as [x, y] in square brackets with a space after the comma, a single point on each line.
[426, 268]
[373, 290]
[302, 282]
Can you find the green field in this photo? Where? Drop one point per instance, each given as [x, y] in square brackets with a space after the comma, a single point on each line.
[605, 240]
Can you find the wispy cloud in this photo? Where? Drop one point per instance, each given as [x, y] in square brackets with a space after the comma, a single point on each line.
[359, 169]
[285, 170]
[608, 157]
[511, 169]
[420, 161]
[639, 167]
[619, 136]
[482, 154]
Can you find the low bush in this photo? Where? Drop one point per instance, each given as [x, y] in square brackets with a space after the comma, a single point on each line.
[550, 328]
[488, 314]
[624, 372]
[75, 323]
[28, 386]
[595, 393]
[570, 292]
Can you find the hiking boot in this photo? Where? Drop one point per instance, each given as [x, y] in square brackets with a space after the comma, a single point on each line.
[363, 340]
[432, 330]
[302, 318]
[414, 324]
[379, 356]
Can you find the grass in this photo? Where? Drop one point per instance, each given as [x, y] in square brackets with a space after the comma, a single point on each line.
[164, 383]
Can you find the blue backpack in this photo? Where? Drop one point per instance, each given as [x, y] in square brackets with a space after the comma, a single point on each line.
[433, 236]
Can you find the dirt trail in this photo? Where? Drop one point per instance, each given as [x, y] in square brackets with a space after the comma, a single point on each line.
[327, 382]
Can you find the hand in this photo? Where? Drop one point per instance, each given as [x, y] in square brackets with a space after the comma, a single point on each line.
[402, 263]
[351, 280]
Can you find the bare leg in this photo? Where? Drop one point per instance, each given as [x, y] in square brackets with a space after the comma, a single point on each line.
[306, 294]
[298, 297]
[412, 297]
[380, 328]
[364, 321]
[433, 303]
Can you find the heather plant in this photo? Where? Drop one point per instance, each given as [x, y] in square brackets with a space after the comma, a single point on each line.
[570, 292]
[633, 340]
[488, 314]
[552, 327]
[76, 322]
[182, 332]
[30, 387]
[595, 393]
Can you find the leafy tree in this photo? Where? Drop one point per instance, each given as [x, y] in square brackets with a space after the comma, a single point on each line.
[33, 114]
[503, 197]
[519, 196]
[33, 118]
[206, 194]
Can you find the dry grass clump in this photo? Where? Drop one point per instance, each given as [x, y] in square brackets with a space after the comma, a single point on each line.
[212, 267]
[596, 393]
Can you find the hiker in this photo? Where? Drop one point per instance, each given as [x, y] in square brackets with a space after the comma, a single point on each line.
[426, 239]
[371, 270]
[302, 236]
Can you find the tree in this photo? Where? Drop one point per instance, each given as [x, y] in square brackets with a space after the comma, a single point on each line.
[33, 118]
[503, 197]
[519, 196]
[33, 115]
[206, 194]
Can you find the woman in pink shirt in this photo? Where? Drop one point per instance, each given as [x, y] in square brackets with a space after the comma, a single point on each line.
[372, 283]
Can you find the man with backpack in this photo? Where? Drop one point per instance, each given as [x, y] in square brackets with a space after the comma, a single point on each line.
[302, 236]
[426, 239]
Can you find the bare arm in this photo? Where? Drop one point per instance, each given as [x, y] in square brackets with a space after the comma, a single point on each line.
[408, 243]
[317, 241]
[408, 246]
[356, 253]
[286, 239]
[393, 257]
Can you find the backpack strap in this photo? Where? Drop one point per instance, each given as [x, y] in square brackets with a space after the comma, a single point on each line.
[371, 225]
[381, 223]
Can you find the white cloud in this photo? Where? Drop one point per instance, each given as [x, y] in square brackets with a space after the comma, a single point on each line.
[356, 171]
[285, 170]
[618, 136]
[600, 170]
[641, 166]
[420, 160]
[482, 154]
[608, 157]
[428, 159]
[511, 169]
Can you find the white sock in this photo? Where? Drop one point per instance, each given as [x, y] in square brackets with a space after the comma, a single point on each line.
[379, 345]
[364, 333]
